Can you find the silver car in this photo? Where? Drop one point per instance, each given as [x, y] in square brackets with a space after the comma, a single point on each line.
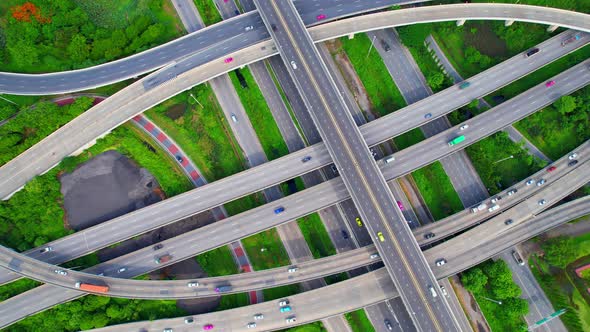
[61, 272]
[251, 325]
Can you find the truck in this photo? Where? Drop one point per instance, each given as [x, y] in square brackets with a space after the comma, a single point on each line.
[92, 288]
[456, 140]
[221, 289]
[480, 207]
[571, 38]
[163, 259]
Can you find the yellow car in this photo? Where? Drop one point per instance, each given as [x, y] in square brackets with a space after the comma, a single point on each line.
[359, 222]
[381, 238]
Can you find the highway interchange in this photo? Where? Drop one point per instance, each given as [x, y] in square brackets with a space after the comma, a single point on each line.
[406, 161]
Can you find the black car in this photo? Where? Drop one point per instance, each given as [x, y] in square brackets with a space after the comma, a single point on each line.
[179, 158]
[158, 246]
[508, 222]
[532, 52]
[334, 169]
[388, 325]
[572, 163]
[385, 46]
[306, 159]
[344, 234]
[428, 235]
[274, 27]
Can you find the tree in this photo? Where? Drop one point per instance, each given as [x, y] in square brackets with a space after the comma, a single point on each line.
[560, 251]
[474, 280]
[435, 80]
[24, 54]
[565, 104]
[514, 307]
[78, 49]
[504, 289]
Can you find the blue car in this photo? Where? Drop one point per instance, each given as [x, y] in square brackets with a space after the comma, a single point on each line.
[285, 309]
[306, 159]
[279, 210]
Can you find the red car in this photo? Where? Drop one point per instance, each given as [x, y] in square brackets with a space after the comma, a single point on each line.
[208, 327]
[228, 60]
[551, 169]
[400, 205]
[550, 83]
[321, 17]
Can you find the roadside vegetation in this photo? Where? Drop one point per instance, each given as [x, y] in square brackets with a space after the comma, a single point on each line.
[311, 327]
[359, 322]
[47, 36]
[554, 269]
[437, 190]
[493, 280]
[208, 12]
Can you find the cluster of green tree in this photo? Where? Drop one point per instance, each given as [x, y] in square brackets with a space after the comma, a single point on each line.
[63, 35]
[473, 56]
[560, 251]
[7, 110]
[97, 311]
[494, 279]
[32, 125]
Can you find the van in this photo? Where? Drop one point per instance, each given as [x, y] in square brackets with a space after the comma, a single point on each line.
[517, 257]
[432, 291]
[389, 159]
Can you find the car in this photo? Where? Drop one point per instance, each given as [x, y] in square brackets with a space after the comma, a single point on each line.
[493, 208]
[540, 182]
[344, 234]
[532, 52]
[167, 330]
[400, 205]
[428, 235]
[193, 284]
[511, 192]
[374, 256]
[179, 158]
[517, 257]
[291, 319]
[542, 202]
[237, 12]
[306, 159]
[285, 309]
[228, 60]
[158, 246]
[46, 249]
[188, 320]
[427, 115]
[441, 262]
[283, 303]
[61, 272]
[258, 316]
[121, 270]
[572, 163]
[464, 85]
[321, 17]
[373, 153]
[294, 64]
[572, 156]
[497, 198]
[551, 169]
[273, 27]
[529, 182]
[388, 325]
[463, 127]
[279, 210]
[385, 46]
[293, 269]
[334, 169]
[432, 291]
[248, 28]
[359, 221]
[208, 327]
[550, 83]
[381, 237]
[508, 222]
[443, 290]
[234, 118]
[389, 159]
[251, 325]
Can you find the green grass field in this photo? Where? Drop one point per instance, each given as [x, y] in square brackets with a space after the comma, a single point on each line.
[280, 292]
[382, 91]
[260, 116]
[316, 236]
[218, 262]
[438, 192]
[233, 301]
[273, 255]
[208, 12]
[408, 139]
[359, 322]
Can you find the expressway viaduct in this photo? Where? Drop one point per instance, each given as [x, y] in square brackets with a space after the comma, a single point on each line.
[328, 193]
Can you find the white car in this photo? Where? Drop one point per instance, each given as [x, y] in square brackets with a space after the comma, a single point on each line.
[193, 284]
[291, 319]
[293, 269]
[432, 291]
[283, 303]
[529, 182]
[248, 28]
[542, 202]
[251, 325]
[443, 290]
[572, 156]
[258, 316]
[61, 272]
[293, 64]
[463, 127]
[440, 262]
[234, 118]
[46, 249]
[121, 270]
[373, 256]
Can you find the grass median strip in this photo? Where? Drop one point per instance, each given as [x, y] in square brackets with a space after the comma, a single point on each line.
[438, 192]
[359, 322]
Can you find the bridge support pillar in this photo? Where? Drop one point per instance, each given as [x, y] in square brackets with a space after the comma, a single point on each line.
[460, 22]
[552, 28]
[508, 23]
[351, 36]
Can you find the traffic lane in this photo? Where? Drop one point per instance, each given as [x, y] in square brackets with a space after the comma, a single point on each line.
[153, 216]
[344, 125]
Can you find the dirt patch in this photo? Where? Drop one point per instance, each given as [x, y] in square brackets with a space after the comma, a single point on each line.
[105, 187]
[176, 111]
[485, 39]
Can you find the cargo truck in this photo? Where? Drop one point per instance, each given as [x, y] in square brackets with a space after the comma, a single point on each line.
[163, 259]
[456, 140]
[571, 39]
[92, 288]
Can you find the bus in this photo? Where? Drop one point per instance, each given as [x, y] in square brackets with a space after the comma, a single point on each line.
[456, 140]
